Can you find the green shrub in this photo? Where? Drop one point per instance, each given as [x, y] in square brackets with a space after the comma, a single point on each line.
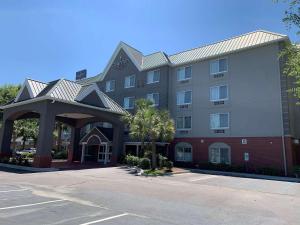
[169, 165]
[297, 171]
[61, 155]
[153, 172]
[268, 171]
[28, 155]
[132, 160]
[162, 161]
[12, 160]
[145, 163]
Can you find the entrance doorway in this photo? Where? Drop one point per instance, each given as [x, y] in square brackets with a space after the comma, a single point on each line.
[104, 153]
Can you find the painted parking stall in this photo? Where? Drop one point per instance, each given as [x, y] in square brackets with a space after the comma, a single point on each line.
[21, 204]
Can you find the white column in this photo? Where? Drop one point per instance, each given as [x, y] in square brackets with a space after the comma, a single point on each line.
[137, 150]
[82, 152]
[106, 153]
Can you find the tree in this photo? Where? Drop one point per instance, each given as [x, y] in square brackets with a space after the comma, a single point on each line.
[26, 128]
[7, 94]
[149, 122]
[138, 129]
[291, 53]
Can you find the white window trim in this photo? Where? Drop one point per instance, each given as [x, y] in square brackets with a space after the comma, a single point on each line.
[152, 96]
[184, 103]
[219, 128]
[131, 97]
[110, 90]
[223, 99]
[184, 129]
[219, 149]
[129, 79]
[191, 147]
[225, 71]
[184, 74]
[153, 81]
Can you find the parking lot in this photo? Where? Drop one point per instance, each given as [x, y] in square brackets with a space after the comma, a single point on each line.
[113, 196]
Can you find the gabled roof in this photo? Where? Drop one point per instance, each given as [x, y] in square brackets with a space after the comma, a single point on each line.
[33, 87]
[95, 132]
[66, 91]
[147, 62]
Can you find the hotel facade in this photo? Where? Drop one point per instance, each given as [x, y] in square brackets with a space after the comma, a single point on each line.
[229, 100]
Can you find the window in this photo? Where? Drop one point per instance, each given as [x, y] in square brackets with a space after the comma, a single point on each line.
[218, 66]
[183, 152]
[219, 153]
[129, 81]
[153, 76]
[184, 73]
[154, 97]
[219, 93]
[110, 85]
[219, 121]
[184, 97]
[184, 123]
[128, 103]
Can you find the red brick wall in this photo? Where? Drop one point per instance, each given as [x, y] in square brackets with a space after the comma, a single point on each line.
[263, 151]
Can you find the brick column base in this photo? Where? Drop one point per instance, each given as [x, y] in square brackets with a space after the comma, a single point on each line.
[70, 155]
[5, 154]
[42, 161]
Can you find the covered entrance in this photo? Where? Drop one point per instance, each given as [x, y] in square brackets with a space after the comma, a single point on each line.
[70, 103]
[96, 147]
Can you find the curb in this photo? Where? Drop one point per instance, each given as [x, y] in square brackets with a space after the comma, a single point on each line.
[246, 175]
[27, 168]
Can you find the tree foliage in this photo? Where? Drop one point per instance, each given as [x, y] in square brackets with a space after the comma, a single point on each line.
[25, 128]
[150, 123]
[291, 53]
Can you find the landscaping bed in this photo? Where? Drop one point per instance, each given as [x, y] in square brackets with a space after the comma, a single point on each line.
[142, 166]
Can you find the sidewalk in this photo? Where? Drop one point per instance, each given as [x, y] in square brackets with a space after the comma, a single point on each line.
[177, 170]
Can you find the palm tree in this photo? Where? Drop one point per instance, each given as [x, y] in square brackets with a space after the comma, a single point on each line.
[148, 122]
[137, 123]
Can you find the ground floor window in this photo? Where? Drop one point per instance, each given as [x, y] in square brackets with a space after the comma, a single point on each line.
[183, 152]
[219, 153]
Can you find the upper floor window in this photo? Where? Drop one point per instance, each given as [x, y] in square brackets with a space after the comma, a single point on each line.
[183, 152]
[219, 121]
[129, 81]
[218, 66]
[184, 73]
[184, 123]
[110, 85]
[153, 97]
[128, 103]
[153, 76]
[219, 93]
[184, 97]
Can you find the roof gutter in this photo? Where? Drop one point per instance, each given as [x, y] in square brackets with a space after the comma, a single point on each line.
[58, 100]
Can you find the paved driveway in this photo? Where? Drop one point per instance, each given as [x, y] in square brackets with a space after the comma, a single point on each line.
[113, 196]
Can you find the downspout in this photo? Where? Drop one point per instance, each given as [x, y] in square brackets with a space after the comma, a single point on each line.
[281, 117]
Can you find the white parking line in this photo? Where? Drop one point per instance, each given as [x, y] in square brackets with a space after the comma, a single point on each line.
[105, 219]
[39, 203]
[14, 190]
[203, 178]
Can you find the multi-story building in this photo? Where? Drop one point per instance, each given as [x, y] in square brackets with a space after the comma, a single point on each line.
[229, 99]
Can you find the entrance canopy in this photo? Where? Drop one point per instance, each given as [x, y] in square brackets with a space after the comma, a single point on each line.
[61, 100]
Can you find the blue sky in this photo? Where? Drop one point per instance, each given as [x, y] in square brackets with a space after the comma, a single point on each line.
[49, 39]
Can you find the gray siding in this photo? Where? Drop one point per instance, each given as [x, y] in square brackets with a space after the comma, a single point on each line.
[253, 79]
[141, 89]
